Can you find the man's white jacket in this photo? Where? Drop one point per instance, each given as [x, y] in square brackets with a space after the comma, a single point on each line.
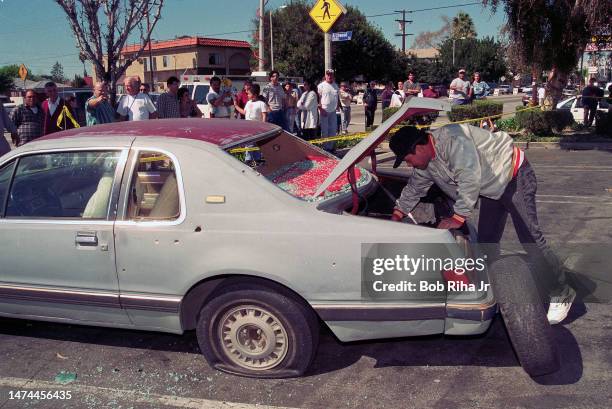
[469, 162]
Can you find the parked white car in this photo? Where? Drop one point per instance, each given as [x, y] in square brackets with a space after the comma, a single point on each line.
[574, 104]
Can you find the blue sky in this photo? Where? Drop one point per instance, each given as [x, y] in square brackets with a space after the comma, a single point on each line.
[36, 33]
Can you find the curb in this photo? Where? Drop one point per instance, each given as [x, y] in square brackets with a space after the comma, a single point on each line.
[604, 146]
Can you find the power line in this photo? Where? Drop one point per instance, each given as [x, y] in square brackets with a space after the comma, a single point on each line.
[428, 9]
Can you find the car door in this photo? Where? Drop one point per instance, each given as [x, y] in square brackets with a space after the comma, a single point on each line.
[148, 235]
[578, 110]
[57, 210]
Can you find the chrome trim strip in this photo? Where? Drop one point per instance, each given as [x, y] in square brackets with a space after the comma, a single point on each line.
[380, 312]
[473, 312]
[179, 178]
[150, 302]
[63, 296]
[135, 301]
[79, 149]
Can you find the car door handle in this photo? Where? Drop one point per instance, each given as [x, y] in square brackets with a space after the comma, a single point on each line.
[86, 239]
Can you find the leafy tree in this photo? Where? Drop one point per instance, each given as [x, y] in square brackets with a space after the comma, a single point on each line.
[482, 55]
[462, 26]
[6, 82]
[551, 35]
[298, 46]
[57, 72]
[102, 28]
[12, 71]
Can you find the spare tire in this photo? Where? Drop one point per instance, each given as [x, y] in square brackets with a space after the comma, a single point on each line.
[524, 315]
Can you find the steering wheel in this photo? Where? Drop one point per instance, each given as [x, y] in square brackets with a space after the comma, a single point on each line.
[34, 201]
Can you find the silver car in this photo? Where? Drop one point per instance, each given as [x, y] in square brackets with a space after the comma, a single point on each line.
[159, 226]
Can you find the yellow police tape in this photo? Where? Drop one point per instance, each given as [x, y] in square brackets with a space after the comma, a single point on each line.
[362, 135]
[64, 115]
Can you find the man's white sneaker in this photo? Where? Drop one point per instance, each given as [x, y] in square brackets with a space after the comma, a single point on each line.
[559, 306]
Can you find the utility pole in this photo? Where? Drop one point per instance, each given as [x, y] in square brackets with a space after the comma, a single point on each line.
[150, 52]
[402, 24]
[261, 37]
[328, 51]
[271, 44]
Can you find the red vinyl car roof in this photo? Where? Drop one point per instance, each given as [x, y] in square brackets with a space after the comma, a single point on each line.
[220, 132]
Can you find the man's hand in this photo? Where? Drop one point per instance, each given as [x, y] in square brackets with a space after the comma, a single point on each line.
[397, 215]
[454, 222]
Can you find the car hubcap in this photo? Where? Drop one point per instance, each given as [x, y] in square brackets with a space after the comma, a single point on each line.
[253, 338]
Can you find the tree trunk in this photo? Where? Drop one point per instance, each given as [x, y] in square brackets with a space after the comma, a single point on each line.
[554, 88]
[534, 85]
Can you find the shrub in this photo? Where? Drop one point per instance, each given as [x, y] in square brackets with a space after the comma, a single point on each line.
[477, 109]
[507, 125]
[388, 112]
[603, 123]
[540, 122]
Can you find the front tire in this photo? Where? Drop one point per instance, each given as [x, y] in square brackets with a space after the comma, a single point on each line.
[524, 315]
[254, 331]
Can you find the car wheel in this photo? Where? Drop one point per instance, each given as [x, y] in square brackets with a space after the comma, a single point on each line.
[524, 315]
[254, 331]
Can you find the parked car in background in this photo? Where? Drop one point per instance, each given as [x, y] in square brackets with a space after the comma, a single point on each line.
[7, 103]
[504, 89]
[81, 95]
[358, 97]
[574, 105]
[570, 90]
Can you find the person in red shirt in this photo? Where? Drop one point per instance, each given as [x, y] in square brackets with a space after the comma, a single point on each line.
[52, 108]
[430, 92]
[243, 97]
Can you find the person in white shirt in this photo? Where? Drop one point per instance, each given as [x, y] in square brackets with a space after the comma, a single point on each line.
[328, 104]
[541, 94]
[459, 89]
[135, 106]
[308, 106]
[396, 100]
[254, 110]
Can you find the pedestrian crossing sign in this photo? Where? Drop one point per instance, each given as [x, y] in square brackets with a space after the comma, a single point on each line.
[326, 12]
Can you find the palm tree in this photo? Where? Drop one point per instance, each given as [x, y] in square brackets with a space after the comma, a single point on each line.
[462, 26]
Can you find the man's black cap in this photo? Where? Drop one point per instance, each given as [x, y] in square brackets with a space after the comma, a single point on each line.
[404, 141]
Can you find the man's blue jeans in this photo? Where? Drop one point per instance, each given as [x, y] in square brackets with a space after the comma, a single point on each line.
[346, 118]
[329, 128]
[278, 118]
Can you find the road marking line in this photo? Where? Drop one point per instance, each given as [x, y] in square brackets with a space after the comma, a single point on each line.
[131, 395]
[570, 202]
[578, 168]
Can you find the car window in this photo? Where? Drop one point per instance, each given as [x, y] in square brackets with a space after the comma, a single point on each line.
[5, 179]
[63, 184]
[200, 94]
[154, 192]
[579, 103]
[568, 104]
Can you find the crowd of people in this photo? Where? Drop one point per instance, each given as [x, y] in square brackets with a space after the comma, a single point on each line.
[310, 110]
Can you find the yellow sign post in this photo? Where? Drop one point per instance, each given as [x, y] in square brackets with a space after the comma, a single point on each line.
[326, 12]
[23, 72]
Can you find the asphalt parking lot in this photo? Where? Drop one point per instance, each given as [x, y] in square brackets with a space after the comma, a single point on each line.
[133, 369]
